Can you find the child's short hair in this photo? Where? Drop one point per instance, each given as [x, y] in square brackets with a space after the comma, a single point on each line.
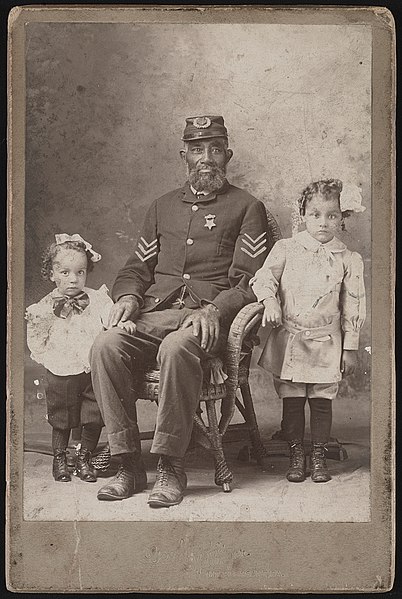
[325, 187]
[53, 249]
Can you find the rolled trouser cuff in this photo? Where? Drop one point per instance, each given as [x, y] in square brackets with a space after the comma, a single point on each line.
[172, 445]
[125, 441]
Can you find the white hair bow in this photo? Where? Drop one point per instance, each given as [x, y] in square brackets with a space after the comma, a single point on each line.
[63, 237]
[351, 198]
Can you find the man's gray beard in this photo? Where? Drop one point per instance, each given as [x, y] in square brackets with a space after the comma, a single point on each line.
[207, 181]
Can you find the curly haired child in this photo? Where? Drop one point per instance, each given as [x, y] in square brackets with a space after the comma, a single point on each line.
[313, 294]
[61, 328]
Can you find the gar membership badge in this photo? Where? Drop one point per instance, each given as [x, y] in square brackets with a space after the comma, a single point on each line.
[209, 221]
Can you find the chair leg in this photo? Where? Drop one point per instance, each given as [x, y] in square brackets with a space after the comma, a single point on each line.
[259, 451]
[223, 476]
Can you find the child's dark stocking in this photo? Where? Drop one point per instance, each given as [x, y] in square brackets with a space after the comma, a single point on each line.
[320, 424]
[293, 418]
[60, 439]
[320, 419]
[90, 436]
[89, 439]
[293, 427]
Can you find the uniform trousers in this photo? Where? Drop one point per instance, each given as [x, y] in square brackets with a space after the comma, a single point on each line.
[118, 360]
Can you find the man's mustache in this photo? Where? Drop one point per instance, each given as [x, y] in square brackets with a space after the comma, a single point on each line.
[208, 181]
[210, 165]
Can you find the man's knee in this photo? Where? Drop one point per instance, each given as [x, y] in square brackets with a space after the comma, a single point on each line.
[179, 343]
[106, 344]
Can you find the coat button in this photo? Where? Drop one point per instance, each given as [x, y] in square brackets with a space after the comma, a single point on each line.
[190, 241]
[157, 300]
[308, 333]
[194, 207]
[186, 276]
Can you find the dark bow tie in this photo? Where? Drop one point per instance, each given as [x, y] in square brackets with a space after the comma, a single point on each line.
[63, 306]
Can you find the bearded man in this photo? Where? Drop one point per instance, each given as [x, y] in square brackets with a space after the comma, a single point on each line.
[184, 283]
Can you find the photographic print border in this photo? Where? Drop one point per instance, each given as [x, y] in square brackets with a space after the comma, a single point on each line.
[254, 557]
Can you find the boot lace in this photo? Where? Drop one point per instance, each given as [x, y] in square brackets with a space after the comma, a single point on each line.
[60, 457]
[83, 455]
[163, 470]
[318, 457]
[296, 455]
[122, 473]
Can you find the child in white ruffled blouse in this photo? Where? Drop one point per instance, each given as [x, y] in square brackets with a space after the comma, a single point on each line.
[61, 329]
[312, 290]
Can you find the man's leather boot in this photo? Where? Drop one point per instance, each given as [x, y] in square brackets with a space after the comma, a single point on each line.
[83, 466]
[130, 478]
[171, 481]
[297, 462]
[60, 468]
[318, 463]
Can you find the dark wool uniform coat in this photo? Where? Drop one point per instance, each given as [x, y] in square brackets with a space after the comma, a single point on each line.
[210, 245]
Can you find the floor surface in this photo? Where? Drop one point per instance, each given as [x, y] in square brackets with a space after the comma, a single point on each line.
[255, 496]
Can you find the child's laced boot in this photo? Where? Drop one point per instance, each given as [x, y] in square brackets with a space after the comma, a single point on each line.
[171, 481]
[83, 465]
[318, 463]
[60, 468]
[131, 478]
[297, 462]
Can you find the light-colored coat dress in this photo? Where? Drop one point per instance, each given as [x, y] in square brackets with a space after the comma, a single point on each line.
[320, 291]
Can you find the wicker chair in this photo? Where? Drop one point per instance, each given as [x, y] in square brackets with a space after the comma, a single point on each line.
[236, 362]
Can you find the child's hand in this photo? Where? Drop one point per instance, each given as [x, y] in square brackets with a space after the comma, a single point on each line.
[348, 361]
[127, 325]
[272, 314]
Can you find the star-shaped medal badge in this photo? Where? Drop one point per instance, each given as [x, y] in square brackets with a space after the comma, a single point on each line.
[209, 221]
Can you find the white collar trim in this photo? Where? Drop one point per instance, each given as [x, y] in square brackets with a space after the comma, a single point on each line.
[308, 242]
[195, 192]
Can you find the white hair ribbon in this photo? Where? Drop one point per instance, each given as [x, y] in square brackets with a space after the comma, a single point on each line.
[351, 198]
[63, 237]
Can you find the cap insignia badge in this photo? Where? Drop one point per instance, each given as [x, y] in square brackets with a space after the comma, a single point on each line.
[202, 122]
[209, 221]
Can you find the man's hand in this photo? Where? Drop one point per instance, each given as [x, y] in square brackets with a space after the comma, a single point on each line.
[126, 308]
[127, 325]
[205, 323]
[348, 361]
[272, 314]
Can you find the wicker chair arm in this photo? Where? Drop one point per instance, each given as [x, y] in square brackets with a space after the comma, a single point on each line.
[248, 317]
[273, 227]
[246, 320]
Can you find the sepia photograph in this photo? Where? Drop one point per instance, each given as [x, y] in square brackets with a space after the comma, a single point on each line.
[196, 291]
[186, 195]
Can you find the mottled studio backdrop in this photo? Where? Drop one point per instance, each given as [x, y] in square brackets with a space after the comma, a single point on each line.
[106, 105]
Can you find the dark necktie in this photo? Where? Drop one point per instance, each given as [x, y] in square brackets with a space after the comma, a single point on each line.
[63, 306]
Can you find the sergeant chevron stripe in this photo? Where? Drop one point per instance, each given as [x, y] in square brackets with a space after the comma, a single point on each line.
[256, 246]
[147, 250]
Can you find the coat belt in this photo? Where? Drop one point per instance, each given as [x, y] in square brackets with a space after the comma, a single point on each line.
[313, 332]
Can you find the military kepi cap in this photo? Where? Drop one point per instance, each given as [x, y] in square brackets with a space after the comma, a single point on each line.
[204, 127]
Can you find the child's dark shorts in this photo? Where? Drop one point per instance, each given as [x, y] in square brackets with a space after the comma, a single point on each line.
[71, 401]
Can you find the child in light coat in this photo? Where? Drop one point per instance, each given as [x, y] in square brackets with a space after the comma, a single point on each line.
[313, 294]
